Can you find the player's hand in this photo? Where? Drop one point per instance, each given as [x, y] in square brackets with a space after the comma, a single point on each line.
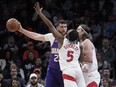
[85, 68]
[20, 27]
[37, 8]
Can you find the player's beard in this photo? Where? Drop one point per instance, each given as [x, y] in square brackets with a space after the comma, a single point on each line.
[63, 33]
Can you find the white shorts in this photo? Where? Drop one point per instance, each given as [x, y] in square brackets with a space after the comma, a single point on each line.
[92, 77]
[73, 77]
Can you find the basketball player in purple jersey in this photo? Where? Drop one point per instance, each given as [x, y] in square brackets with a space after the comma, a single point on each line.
[54, 74]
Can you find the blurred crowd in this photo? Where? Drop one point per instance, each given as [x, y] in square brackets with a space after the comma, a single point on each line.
[22, 60]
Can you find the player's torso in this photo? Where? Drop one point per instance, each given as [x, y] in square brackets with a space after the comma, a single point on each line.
[68, 55]
[93, 66]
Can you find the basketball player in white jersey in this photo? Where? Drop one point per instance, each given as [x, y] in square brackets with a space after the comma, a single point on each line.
[89, 61]
[69, 52]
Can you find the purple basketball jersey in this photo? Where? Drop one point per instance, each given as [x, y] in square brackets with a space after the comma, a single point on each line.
[54, 75]
[54, 58]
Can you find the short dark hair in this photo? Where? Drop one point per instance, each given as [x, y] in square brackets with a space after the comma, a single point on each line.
[73, 36]
[106, 69]
[60, 21]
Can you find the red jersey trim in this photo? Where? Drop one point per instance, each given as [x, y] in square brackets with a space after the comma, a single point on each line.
[92, 84]
[68, 77]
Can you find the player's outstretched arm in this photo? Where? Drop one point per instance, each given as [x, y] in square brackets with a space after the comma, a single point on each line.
[32, 35]
[13, 25]
[56, 34]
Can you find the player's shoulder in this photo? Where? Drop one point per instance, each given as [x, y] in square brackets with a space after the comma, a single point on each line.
[49, 35]
[86, 41]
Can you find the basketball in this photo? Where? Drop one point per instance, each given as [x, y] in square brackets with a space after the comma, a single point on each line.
[12, 24]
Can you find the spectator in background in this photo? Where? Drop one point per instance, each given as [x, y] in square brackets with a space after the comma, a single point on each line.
[11, 45]
[29, 64]
[20, 69]
[105, 83]
[45, 58]
[7, 55]
[108, 53]
[106, 75]
[23, 42]
[38, 64]
[110, 27]
[14, 73]
[30, 47]
[13, 66]
[38, 73]
[2, 81]
[100, 61]
[2, 63]
[33, 81]
[14, 82]
[106, 65]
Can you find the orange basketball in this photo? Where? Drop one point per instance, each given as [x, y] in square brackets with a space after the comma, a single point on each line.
[12, 24]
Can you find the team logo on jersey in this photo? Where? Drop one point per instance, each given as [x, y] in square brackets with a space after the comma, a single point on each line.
[54, 50]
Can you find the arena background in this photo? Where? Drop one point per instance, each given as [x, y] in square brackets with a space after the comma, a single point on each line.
[99, 15]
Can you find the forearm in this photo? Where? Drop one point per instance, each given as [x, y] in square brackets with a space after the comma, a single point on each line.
[32, 35]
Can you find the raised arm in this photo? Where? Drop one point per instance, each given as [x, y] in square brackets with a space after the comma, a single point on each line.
[56, 34]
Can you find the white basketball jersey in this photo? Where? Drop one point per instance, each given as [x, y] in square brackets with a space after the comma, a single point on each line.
[93, 66]
[69, 54]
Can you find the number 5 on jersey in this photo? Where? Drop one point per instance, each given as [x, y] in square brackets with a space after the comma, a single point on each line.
[70, 56]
